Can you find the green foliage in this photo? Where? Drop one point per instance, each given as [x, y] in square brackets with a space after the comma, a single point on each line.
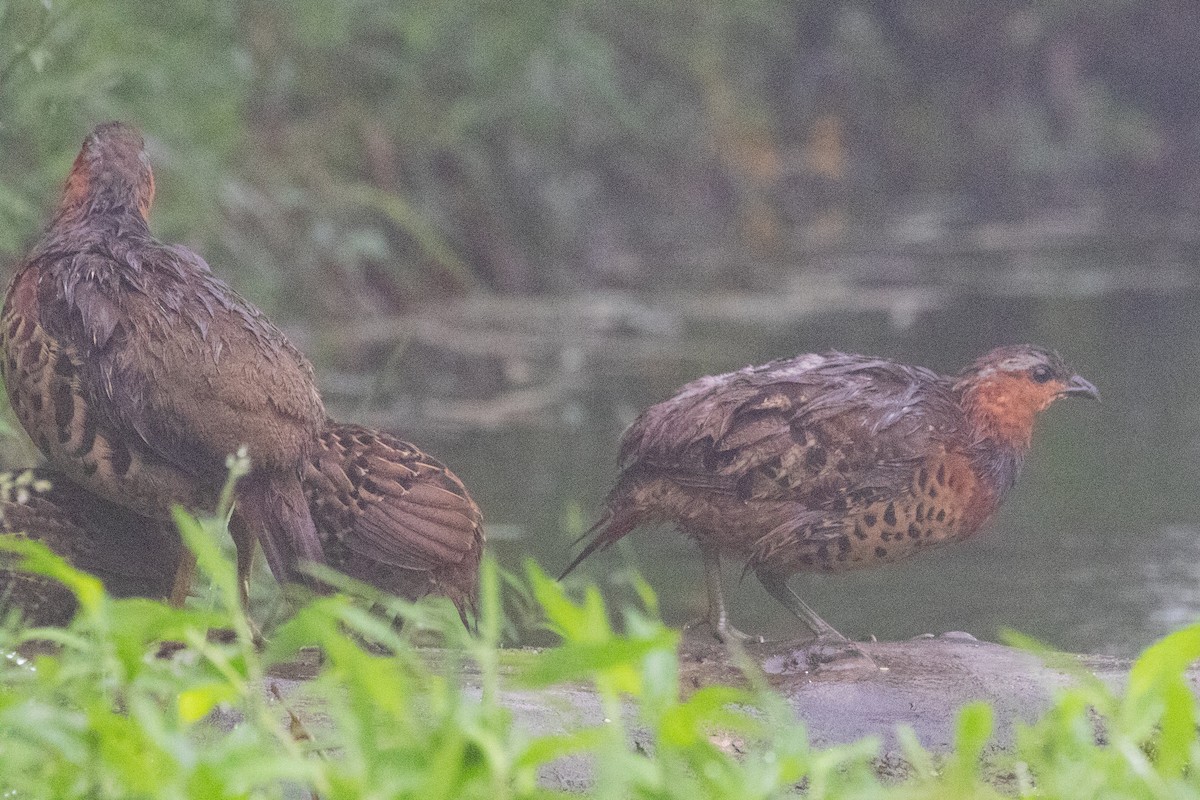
[1142, 743]
[174, 69]
[98, 714]
[359, 156]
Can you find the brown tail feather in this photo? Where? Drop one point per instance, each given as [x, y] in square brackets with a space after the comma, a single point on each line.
[272, 506]
[467, 604]
[609, 529]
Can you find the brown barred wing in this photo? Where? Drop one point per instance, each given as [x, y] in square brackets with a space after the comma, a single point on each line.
[391, 515]
[820, 434]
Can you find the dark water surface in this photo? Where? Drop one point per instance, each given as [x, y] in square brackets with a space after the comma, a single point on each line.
[1097, 549]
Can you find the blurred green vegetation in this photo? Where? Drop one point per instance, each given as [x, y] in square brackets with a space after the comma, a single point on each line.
[341, 159]
[103, 714]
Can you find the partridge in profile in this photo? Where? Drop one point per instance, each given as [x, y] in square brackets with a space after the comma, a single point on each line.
[830, 462]
[137, 372]
[386, 513]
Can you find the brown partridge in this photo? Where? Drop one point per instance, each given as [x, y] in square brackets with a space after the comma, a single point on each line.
[830, 462]
[387, 514]
[134, 556]
[137, 371]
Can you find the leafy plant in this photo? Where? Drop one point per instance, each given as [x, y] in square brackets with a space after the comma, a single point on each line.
[96, 710]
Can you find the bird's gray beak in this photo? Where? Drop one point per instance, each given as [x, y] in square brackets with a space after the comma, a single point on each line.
[1080, 387]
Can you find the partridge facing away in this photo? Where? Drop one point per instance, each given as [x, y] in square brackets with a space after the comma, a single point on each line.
[830, 462]
[387, 514]
[137, 372]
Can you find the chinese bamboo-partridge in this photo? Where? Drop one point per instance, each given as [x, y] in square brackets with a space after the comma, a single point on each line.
[387, 514]
[137, 372]
[830, 462]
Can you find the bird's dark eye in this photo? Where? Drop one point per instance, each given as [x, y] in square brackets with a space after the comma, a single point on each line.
[1041, 373]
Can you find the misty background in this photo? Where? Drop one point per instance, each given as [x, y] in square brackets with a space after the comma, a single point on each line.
[502, 229]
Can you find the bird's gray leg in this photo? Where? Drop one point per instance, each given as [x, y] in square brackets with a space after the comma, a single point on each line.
[185, 573]
[776, 586]
[829, 647]
[244, 545]
[718, 617]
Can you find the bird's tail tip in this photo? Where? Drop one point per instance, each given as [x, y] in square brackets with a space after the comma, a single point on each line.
[611, 527]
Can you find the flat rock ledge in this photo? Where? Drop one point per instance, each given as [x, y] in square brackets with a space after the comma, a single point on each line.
[921, 683]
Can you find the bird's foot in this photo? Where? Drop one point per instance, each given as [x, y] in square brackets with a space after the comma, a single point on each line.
[829, 649]
[826, 653]
[168, 650]
[724, 632]
[835, 652]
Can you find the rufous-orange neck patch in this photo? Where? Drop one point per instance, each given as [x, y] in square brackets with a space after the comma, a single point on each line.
[1005, 407]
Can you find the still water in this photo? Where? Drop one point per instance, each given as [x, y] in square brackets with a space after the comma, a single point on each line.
[1096, 550]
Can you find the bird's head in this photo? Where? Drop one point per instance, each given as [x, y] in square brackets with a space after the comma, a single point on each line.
[111, 173]
[1005, 390]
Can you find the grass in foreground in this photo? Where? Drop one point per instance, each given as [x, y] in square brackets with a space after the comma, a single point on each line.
[102, 717]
